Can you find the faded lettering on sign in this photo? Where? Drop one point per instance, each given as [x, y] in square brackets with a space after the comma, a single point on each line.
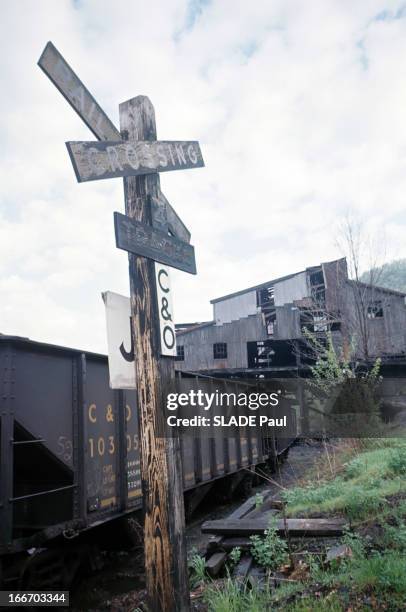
[103, 160]
[140, 239]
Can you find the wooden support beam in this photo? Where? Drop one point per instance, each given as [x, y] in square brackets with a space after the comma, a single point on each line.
[299, 527]
[242, 510]
[164, 523]
[213, 543]
[228, 543]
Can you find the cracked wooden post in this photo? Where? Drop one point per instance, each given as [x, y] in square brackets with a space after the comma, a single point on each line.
[161, 476]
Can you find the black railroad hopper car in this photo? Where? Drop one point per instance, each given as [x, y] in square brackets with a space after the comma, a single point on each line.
[69, 448]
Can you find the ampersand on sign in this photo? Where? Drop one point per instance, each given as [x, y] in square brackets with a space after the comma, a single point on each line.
[166, 315]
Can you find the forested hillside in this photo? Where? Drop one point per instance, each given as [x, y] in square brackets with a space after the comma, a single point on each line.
[391, 275]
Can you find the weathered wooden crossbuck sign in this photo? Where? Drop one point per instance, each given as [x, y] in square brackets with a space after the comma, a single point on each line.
[93, 161]
[135, 154]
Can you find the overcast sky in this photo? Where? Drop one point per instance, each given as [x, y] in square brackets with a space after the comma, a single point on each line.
[300, 111]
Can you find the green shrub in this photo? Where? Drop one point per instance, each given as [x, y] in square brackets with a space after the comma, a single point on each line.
[235, 555]
[397, 461]
[354, 468]
[269, 551]
[259, 500]
[361, 502]
[394, 537]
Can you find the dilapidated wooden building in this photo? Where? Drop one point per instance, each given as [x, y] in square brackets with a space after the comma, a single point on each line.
[263, 326]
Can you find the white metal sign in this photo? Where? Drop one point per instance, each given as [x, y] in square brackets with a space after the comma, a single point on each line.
[119, 337]
[119, 341]
[166, 320]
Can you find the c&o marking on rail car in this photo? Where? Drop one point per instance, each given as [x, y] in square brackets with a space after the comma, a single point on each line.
[92, 413]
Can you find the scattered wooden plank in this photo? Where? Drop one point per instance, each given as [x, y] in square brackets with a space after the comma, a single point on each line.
[242, 568]
[245, 508]
[228, 544]
[301, 527]
[215, 563]
[257, 576]
[263, 512]
[277, 504]
[214, 543]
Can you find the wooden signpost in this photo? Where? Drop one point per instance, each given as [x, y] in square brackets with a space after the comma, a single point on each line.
[135, 154]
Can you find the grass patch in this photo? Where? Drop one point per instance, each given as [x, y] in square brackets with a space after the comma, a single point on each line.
[361, 489]
[197, 569]
[366, 483]
[329, 603]
[232, 596]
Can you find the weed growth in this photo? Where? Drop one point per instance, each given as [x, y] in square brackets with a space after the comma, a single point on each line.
[269, 551]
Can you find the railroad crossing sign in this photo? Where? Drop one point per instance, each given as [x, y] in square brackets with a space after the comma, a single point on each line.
[82, 101]
[93, 161]
[72, 88]
[135, 154]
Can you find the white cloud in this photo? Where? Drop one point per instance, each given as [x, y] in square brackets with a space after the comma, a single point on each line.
[299, 111]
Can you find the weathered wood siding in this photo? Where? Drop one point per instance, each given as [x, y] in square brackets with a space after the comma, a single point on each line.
[387, 334]
[198, 344]
[295, 288]
[235, 307]
[287, 322]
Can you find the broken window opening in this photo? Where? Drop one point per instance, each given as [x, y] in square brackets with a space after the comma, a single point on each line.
[375, 310]
[317, 278]
[270, 327]
[265, 297]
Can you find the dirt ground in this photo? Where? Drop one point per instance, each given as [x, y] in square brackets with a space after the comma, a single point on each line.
[119, 585]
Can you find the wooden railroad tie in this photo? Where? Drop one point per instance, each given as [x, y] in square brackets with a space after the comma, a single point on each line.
[295, 527]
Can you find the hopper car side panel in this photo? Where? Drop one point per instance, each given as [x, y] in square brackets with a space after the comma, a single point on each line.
[69, 445]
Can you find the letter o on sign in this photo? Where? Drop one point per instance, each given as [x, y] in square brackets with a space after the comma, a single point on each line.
[168, 337]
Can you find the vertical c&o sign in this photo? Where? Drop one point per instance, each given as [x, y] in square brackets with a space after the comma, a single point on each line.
[165, 306]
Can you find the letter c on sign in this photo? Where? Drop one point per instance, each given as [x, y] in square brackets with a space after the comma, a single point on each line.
[162, 271]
